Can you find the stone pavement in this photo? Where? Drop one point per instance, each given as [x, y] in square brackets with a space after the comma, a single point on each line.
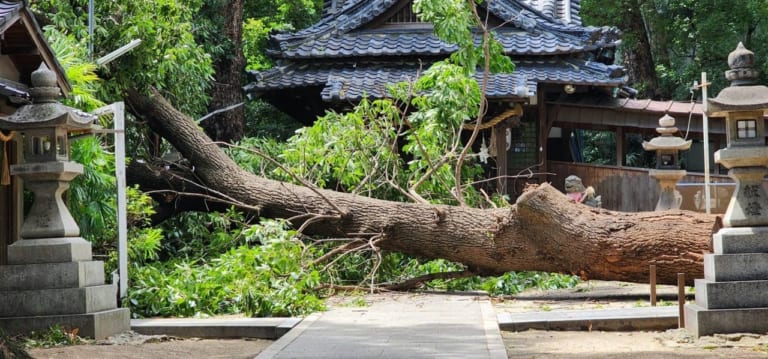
[398, 326]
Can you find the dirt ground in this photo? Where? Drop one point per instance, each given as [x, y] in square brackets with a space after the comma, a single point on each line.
[630, 345]
[132, 345]
[675, 343]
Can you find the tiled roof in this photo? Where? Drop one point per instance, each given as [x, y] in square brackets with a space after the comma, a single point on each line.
[425, 42]
[8, 12]
[339, 33]
[343, 81]
[565, 10]
[347, 56]
[674, 108]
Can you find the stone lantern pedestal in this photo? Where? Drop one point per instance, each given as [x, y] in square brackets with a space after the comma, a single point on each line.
[669, 198]
[733, 295]
[51, 278]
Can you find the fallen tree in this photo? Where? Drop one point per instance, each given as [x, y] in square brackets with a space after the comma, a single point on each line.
[543, 231]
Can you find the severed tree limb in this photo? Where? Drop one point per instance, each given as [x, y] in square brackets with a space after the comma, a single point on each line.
[543, 231]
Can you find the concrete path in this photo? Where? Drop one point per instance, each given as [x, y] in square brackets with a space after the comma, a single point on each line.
[398, 326]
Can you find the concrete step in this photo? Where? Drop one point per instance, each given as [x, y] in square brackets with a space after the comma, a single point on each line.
[262, 328]
[621, 319]
[741, 240]
[58, 301]
[736, 267]
[97, 325]
[51, 275]
[702, 321]
[731, 295]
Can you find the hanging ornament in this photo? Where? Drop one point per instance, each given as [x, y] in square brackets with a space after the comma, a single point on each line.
[483, 152]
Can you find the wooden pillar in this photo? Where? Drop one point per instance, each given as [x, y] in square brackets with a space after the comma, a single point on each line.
[17, 215]
[544, 125]
[502, 166]
[11, 206]
[619, 146]
[5, 221]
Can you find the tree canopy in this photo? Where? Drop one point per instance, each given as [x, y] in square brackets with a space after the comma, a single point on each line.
[668, 43]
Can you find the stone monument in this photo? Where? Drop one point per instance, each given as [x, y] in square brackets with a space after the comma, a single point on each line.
[51, 277]
[733, 296]
[667, 172]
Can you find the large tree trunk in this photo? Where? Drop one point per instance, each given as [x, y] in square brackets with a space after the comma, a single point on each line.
[638, 58]
[228, 125]
[543, 231]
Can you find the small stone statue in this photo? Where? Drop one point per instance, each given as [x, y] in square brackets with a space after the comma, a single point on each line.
[576, 192]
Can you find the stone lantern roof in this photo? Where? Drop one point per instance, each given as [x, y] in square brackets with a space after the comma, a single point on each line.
[744, 94]
[667, 141]
[46, 110]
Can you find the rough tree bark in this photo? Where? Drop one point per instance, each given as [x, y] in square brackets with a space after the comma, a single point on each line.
[228, 126]
[542, 231]
[638, 58]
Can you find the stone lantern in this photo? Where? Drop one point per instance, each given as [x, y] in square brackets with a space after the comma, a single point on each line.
[47, 171]
[743, 104]
[732, 296]
[667, 172]
[51, 277]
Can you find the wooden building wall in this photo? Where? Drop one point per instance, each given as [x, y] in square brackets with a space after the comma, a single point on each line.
[630, 189]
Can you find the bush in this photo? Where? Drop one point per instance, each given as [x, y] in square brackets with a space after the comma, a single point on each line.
[271, 279]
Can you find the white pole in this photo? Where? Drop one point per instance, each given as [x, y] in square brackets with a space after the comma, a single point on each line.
[91, 21]
[122, 222]
[705, 122]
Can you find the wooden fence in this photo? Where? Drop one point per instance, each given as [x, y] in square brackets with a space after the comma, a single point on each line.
[630, 189]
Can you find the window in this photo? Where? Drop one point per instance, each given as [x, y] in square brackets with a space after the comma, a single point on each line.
[667, 160]
[746, 129]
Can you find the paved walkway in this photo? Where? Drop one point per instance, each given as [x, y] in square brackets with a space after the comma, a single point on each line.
[398, 326]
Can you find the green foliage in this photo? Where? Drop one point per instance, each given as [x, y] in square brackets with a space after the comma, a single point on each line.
[264, 120]
[55, 336]
[599, 147]
[454, 22]
[351, 152]
[263, 17]
[516, 282]
[257, 162]
[168, 57]
[92, 195]
[272, 279]
[199, 235]
[396, 267]
[143, 240]
[255, 34]
[71, 54]
[687, 37]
